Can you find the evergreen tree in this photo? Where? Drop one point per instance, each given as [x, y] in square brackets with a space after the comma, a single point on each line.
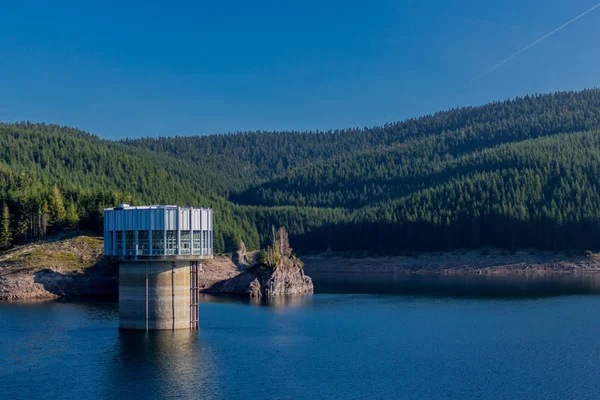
[44, 219]
[22, 228]
[5, 233]
[57, 207]
[72, 217]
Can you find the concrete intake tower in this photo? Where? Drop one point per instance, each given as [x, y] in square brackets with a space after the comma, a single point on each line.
[159, 250]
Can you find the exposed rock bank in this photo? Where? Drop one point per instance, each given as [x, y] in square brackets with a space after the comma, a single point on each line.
[472, 262]
[60, 266]
[272, 272]
[70, 266]
[255, 281]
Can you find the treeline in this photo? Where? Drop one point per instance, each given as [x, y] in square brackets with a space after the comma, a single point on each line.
[519, 173]
[30, 210]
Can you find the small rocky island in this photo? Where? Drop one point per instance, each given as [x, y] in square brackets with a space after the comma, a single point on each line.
[274, 271]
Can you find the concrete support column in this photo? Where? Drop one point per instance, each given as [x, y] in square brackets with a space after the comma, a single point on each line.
[161, 303]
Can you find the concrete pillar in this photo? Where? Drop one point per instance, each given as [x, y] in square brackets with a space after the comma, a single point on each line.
[163, 303]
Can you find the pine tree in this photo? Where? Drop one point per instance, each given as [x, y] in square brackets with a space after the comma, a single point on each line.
[283, 242]
[72, 217]
[57, 207]
[22, 228]
[44, 219]
[5, 233]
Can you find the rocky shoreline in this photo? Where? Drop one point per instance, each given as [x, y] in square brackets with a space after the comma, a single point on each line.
[74, 267]
[65, 266]
[491, 262]
[218, 276]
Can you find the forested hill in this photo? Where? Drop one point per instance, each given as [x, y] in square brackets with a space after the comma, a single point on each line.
[514, 174]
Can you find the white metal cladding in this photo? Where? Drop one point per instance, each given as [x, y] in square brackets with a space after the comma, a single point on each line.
[171, 219]
[184, 219]
[196, 215]
[156, 230]
[204, 219]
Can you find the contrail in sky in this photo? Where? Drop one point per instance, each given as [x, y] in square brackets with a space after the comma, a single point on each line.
[546, 36]
[390, 116]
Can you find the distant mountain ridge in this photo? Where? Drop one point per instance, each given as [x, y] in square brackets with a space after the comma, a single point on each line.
[513, 174]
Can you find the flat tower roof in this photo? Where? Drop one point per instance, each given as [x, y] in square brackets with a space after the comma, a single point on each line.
[154, 206]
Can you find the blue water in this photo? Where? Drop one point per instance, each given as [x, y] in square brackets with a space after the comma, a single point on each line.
[425, 339]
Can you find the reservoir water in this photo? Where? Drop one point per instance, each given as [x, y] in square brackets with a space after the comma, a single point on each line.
[379, 338]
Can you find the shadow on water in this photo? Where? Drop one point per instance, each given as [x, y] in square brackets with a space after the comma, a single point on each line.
[464, 286]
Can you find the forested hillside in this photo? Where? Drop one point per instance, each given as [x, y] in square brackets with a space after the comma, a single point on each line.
[519, 173]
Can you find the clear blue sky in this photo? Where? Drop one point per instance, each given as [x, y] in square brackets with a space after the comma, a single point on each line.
[130, 69]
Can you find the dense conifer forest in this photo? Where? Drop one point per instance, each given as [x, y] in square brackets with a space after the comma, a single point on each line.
[513, 174]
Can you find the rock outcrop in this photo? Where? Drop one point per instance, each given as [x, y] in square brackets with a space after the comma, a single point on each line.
[276, 273]
[286, 281]
[258, 281]
[243, 258]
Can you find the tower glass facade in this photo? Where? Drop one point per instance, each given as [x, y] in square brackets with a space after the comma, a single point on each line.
[157, 231]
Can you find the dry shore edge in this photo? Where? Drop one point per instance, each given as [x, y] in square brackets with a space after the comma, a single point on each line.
[73, 267]
[487, 262]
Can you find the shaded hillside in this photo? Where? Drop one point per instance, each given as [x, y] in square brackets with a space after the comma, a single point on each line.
[541, 193]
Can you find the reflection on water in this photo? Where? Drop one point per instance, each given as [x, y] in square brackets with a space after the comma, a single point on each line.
[283, 301]
[278, 301]
[156, 363]
[475, 286]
